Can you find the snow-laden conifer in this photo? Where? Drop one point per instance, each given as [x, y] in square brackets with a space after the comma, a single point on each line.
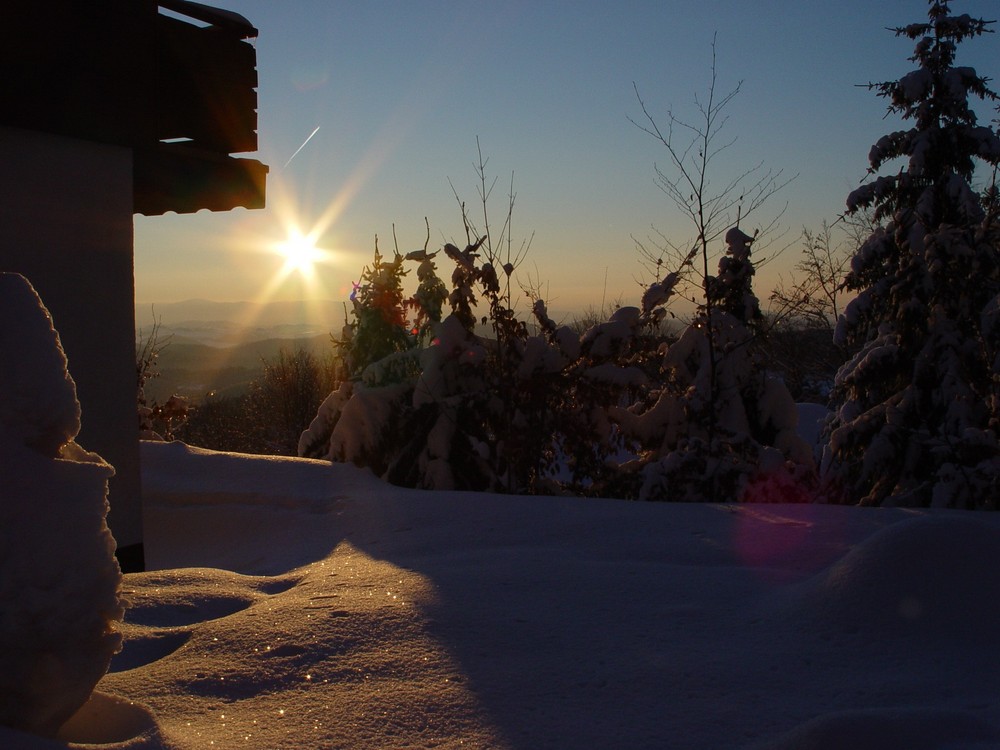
[916, 406]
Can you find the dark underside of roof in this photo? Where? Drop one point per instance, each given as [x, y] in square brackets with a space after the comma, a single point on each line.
[180, 90]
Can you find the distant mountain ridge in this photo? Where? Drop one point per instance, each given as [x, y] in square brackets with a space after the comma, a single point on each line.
[226, 324]
[192, 369]
[208, 346]
[321, 313]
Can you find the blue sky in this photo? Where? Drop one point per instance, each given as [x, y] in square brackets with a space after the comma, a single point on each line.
[400, 91]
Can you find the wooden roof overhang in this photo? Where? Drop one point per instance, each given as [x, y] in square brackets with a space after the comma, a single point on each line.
[181, 93]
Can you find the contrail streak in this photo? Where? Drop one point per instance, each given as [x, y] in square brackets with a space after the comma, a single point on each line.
[309, 138]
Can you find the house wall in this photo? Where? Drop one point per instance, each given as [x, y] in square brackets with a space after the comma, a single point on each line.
[66, 224]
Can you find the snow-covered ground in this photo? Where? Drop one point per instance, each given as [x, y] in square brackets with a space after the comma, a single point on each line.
[296, 604]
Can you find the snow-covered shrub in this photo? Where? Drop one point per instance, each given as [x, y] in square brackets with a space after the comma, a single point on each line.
[915, 419]
[621, 410]
[581, 377]
[60, 585]
[454, 407]
[717, 426]
[732, 289]
[162, 421]
[445, 415]
[569, 412]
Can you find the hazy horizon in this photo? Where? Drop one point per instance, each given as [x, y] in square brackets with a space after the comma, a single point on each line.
[266, 314]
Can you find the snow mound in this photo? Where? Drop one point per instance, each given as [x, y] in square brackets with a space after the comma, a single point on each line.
[58, 586]
[875, 729]
[204, 497]
[921, 578]
[179, 474]
[370, 672]
[395, 618]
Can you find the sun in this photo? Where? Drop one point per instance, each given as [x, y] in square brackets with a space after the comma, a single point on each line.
[300, 254]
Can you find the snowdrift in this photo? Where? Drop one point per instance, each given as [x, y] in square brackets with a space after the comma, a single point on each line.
[299, 604]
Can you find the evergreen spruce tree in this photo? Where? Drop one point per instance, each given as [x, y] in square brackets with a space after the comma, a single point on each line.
[379, 327]
[916, 406]
[429, 298]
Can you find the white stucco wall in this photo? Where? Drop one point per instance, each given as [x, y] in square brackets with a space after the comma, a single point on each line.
[66, 224]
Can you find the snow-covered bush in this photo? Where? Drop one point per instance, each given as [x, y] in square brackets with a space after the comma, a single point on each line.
[162, 421]
[716, 425]
[427, 302]
[570, 412]
[916, 419]
[582, 377]
[60, 585]
[732, 289]
[557, 411]
[453, 408]
[435, 416]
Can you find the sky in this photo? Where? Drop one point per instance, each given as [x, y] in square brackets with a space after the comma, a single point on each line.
[370, 115]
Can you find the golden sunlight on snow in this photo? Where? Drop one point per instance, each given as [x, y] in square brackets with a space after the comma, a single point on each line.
[350, 682]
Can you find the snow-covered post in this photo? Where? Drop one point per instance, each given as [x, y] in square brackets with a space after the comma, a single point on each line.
[60, 585]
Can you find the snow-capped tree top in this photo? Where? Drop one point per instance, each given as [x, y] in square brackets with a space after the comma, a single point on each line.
[943, 25]
[945, 139]
[659, 293]
[732, 289]
[738, 241]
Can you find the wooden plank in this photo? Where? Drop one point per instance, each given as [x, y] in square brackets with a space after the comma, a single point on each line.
[178, 177]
